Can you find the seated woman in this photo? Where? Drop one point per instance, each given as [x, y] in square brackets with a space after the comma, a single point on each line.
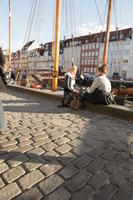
[100, 88]
[69, 86]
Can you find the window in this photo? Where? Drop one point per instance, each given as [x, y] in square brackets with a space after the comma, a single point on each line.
[87, 46]
[85, 62]
[86, 41]
[89, 53]
[88, 62]
[92, 53]
[83, 47]
[96, 53]
[86, 53]
[83, 54]
[82, 62]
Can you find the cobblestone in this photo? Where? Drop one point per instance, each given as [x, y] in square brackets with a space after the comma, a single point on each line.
[50, 184]
[59, 194]
[30, 179]
[78, 181]
[34, 163]
[13, 174]
[32, 194]
[51, 167]
[60, 154]
[10, 191]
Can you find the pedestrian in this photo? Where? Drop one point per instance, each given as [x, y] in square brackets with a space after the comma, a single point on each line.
[69, 86]
[100, 88]
[2, 85]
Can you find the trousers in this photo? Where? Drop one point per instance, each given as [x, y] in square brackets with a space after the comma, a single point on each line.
[1, 117]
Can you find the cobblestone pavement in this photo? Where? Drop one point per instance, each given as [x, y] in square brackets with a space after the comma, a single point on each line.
[52, 153]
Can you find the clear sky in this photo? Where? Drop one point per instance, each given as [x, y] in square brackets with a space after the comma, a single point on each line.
[78, 17]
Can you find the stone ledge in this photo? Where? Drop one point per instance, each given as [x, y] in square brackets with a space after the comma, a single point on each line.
[111, 110]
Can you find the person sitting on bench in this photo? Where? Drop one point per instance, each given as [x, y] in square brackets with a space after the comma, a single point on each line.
[100, 88]
[69, 86]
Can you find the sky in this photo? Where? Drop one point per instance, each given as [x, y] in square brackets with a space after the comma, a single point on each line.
[78, 17]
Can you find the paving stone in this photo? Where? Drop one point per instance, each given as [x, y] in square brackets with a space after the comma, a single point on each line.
[96, 165]
[76, 142]
[34, 163]
[50, 155]
[24, 143]
[99, 180]
[50, 184]
[81, 149]
[95, 153]
[8, 143]
[63, 149]
[1, 183]
[51, 167]
[31, 194]
[61, 141]
[78, 181]
[17, 160]
[67, 158]
[13, 174]
[49, 146]
[9, 192]
[55, 134]
[41, 142]
[107, 192]
[73, 136]
[61, 122]
[40, 137]
[84, 194]
[3, 167]
[112, 167]
[24, 149]
[35, 152]
[119, 177]
[4, 157]
[124, 194]
[23, 138]
[68, 171]
[10, 148]
[82, 161]
[109, 155]
[30, 179]
[59, 194]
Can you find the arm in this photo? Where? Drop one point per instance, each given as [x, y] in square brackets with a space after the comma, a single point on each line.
[94, 85]
[67, 83]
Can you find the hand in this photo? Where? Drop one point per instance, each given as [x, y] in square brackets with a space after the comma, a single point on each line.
[76, 90]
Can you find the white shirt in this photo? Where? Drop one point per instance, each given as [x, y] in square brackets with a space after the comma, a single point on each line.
[101, 83]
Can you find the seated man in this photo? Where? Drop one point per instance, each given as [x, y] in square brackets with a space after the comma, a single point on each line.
[100, 88]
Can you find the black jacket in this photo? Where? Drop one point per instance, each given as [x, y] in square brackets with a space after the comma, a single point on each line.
[2, 75]
[68, 83]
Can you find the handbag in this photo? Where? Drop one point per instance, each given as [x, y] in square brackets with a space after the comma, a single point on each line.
[76, 104]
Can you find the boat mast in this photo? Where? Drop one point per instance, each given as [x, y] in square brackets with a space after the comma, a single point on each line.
[9, 38]
[107, 37]
[56, 51]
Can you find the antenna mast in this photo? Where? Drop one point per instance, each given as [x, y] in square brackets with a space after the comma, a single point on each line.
[56, 51]
[107, 37]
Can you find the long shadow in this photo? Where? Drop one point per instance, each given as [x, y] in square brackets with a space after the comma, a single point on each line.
[99, 164]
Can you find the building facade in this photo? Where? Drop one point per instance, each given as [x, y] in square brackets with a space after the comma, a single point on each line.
[86, 52]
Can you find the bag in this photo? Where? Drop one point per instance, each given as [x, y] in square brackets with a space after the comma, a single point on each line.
[75, 104]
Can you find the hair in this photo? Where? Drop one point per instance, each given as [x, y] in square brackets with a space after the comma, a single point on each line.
[102, 69]
[73, 68]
